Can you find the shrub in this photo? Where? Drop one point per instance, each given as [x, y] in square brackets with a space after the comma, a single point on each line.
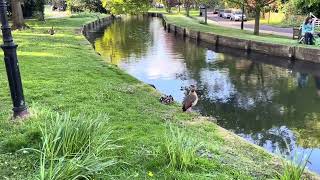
[180, 149]
[85, 5]
[75, 148]
[30, 8]
[293, 169]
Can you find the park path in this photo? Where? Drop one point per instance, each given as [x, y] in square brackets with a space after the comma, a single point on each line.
[249, 25]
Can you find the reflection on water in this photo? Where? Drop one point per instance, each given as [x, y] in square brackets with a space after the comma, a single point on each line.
[269, 101]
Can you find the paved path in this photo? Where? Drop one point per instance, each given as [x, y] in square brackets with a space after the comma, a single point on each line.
[249, 25]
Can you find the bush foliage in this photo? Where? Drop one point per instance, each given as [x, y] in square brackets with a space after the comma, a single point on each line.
[85, 5]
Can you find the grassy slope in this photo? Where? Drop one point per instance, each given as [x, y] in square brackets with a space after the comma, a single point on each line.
[194, 24]
[62, 73]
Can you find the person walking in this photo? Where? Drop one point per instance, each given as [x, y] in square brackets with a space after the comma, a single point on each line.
[308, 30]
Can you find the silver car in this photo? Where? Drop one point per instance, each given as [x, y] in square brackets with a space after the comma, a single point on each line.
[220, 12]
[226, 13]
[237, 15]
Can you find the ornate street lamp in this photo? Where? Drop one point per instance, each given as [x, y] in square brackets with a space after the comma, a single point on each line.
[12, 65]
[242, 15]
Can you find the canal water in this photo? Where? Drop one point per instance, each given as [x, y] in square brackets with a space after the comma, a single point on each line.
[271, 102]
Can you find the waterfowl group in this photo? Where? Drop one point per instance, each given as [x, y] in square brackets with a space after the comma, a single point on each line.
[166, 99]
[189, 101]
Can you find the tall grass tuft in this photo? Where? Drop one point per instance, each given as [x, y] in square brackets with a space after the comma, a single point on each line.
[180, 148]
[294, 168]
[75, 148]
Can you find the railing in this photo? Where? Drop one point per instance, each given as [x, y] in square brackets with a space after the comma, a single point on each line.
[316, 20]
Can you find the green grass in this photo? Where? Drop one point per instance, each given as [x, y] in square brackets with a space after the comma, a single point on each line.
[279, 20]
[192, 12]
[276, 19]
[75, 148]
[180, 149]
[294, 168]
[63, 74]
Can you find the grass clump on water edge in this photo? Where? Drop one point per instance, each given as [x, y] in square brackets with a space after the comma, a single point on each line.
[293, 169]
[75, 148]
[180, 148]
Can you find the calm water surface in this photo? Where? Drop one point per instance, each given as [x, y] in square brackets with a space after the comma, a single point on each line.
[269, 101]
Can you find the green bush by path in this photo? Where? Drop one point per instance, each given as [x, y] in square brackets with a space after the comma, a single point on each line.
[62, 74]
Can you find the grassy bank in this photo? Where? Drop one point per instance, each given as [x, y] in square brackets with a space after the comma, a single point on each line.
[90, 118]
[194, 24]
[219, 30]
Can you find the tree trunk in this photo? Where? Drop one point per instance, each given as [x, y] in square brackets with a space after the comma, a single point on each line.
[187, 11]
[41, 16]
[17, 15]
[257, 21]
[205, 15]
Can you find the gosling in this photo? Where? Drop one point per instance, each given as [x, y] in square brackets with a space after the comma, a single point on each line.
[190, 100]
[52, 31]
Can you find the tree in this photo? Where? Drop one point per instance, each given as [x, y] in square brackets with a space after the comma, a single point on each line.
[207, 4]
[17, 15]
[256, 6]
[187, 5]
[39, 7]
[307, 6]
[83, 5]
[126, 6]
[169, 4]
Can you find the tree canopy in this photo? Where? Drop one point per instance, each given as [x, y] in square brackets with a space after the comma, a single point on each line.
[126, 6]
[84, 5]
[307, 6]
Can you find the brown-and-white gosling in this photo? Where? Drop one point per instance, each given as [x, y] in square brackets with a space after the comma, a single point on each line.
[52, 31]
[190, 100]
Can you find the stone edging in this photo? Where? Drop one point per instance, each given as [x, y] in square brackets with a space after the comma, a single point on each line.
[97, 24]
[292, 52]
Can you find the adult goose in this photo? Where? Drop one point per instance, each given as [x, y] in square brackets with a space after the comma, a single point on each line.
[191, 99]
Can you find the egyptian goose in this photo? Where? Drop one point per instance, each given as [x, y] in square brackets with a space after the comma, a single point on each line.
[190, 100]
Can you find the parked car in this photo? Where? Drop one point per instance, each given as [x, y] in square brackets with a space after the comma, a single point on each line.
[216, 11]
[226, 13]
[158, 5]
[220, 12]
[236, 15]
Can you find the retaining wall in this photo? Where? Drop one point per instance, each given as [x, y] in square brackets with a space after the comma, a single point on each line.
[97, 24]
[292, 52]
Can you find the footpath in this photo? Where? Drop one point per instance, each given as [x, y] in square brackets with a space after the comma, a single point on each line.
[249, 25]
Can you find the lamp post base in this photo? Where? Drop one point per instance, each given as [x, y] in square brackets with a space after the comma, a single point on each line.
[20, 114]
[20, 109]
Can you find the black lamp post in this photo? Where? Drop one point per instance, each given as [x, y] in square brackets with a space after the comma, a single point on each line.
[242, 15]
[12, 65]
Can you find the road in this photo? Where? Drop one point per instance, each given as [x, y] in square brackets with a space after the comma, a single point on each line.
[249, 25]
